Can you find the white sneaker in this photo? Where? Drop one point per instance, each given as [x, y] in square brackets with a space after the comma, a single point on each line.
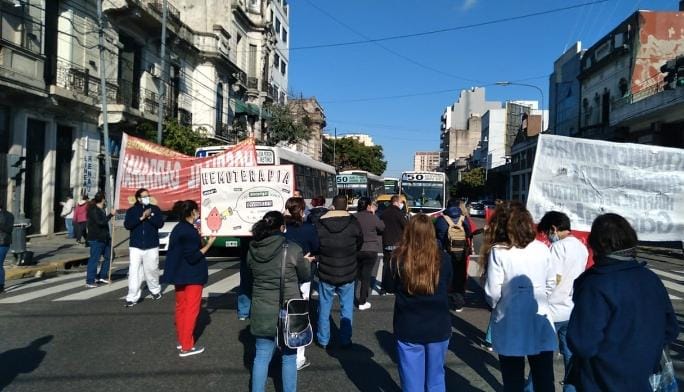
[365, 306]
[192, 351]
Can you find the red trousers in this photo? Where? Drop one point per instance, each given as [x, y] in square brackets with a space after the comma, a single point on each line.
[188, 301]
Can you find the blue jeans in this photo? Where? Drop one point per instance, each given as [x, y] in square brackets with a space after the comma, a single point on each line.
[325, 295]
[561, 331]
[265, 347]
[70, 227]
[244, 299]
[421, 366]
[97, 249]
[3, 253]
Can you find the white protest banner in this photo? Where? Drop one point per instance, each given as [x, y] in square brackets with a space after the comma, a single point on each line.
[585, 178]
[235, 198]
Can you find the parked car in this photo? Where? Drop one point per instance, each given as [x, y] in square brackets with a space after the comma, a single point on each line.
[165, 232]
[476, 209]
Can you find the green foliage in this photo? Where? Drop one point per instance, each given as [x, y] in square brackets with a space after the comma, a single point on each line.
[285, 127]
[351, 154]
[177, 137]
[472, 183]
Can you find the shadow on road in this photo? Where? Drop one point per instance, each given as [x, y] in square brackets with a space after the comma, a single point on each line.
[22, 360]
[465, 343]
[359, 366]
[203, 319]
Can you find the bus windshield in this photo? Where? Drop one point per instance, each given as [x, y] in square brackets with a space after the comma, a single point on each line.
[424, 197]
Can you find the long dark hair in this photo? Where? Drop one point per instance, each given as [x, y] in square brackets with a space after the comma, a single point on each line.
[295, 206]
[268, 225]
[418, 257]
[99, 196]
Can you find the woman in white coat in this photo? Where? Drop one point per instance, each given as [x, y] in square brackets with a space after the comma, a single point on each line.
[518, 276]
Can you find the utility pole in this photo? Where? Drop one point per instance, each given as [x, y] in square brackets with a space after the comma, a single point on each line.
[103, 103]
[109, 189]
[162, 85]
[334, 145]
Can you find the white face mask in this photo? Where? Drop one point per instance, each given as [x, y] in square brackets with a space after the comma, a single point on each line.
[401, 206]
[145, 200]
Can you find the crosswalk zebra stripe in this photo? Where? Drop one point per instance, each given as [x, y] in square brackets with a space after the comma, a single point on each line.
[674, 297]
[43, 293]
[222, 286]
[94, 292]
[169, 288]
[667, 274]
[44, 282]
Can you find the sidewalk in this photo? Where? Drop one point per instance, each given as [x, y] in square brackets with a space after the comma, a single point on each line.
[54, 252]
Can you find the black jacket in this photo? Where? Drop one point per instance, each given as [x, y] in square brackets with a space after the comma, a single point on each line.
[98, 224]
[185, 264]
[340, 239]
[621, 321]
[144, 234]
[6, 227]
[315, 214]
[395, 220]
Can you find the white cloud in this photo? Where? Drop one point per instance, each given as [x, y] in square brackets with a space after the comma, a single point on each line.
[468, 4]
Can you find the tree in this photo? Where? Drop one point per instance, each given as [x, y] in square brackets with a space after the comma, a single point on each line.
[285, 127]
[351, 154]
[177, 137]
[472, 183]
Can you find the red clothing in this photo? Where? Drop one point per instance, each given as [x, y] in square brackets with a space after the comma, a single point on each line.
[188, 300]
[81, 213]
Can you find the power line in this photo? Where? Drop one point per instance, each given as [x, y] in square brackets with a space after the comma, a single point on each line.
[449, 29]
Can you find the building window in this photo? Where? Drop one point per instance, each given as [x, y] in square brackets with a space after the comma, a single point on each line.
[277, 25]
[284, 35]
[19, 27]
[276, 60]
[283, 68]
[219, 107]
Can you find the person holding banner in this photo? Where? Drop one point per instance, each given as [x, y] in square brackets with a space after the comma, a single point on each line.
[187, 269]
[99, 240]
[623, 317]
[143, 220]
[518, 274]
[268, 249]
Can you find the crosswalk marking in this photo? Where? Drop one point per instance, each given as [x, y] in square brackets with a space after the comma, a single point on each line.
[222, 286]
[667, 274]
[169, 288]
[45, 282]
[94, 292]
[42, 293]
[670, 285]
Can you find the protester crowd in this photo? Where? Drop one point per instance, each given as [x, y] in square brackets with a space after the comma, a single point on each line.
[610, 322]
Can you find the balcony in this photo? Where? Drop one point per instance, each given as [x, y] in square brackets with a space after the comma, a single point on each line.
[79, 80]
[158, 5]
[252, 83]
[211, 44]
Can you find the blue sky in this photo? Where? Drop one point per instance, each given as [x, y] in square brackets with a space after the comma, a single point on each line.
[347, 79]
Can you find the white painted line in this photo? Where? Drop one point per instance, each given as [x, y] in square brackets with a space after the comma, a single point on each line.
[668, 284]
[44, 282]
[222, 287]
[674, 297]
[42, 293]
[667, 274]
[94, 292]
[169, 288]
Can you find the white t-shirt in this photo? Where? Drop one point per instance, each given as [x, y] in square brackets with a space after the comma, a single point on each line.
[568, 261]
[68, 209]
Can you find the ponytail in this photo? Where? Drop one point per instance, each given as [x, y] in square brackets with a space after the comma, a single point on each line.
[270, 224]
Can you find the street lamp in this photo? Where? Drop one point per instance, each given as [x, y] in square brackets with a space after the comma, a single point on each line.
[507, 83]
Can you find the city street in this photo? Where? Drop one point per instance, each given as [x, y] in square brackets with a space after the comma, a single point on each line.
[57, 335]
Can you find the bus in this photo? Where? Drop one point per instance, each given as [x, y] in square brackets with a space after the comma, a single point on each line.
[312, 178]
[425, 191]
[391, 186]
[358, 183]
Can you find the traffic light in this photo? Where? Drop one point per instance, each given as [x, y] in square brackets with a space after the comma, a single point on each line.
[15, 166]
[674, 73]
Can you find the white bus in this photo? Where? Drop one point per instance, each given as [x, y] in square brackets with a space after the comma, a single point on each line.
[358, 183]
[391, 186]
[425, 191]
[312, 178]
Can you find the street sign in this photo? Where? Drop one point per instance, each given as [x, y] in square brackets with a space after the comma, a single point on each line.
[351, 179]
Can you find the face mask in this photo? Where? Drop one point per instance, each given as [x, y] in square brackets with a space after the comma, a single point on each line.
[145, 200]
[553, 237]
[401, 206]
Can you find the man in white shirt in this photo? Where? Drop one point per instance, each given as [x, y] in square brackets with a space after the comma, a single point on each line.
[568, 261]
[68, 215]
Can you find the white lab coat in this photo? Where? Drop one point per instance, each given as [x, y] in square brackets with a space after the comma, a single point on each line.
[516, 288]
[568, 261]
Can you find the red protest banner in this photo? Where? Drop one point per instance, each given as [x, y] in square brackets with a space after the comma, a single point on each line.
[169, 175]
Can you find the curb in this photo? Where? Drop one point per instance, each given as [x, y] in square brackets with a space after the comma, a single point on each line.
[20, 272]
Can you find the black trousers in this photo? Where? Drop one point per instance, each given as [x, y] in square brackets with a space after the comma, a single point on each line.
[80, 230]
[460, 277]
[366, 262]
[541, 369]
[387, 276]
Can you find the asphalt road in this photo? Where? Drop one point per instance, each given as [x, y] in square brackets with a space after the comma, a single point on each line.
[56, 335]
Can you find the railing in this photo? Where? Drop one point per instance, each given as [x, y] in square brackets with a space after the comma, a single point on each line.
[184, 117]
[74, 78]
[127, 95]
[252, 83]
[648, 91]
[150, 103]
[158, 5]
[210, 43]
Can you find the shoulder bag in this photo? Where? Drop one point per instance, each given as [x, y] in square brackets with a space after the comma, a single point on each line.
[294, 327]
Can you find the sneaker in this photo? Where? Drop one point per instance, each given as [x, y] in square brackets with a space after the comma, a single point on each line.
[91, 285]
[242, 318]
[130, 304]
[459, 308]
[104, 281]
[178, 346]
[192, 351]
[157, 296]
[303, 365]
[365, 306]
